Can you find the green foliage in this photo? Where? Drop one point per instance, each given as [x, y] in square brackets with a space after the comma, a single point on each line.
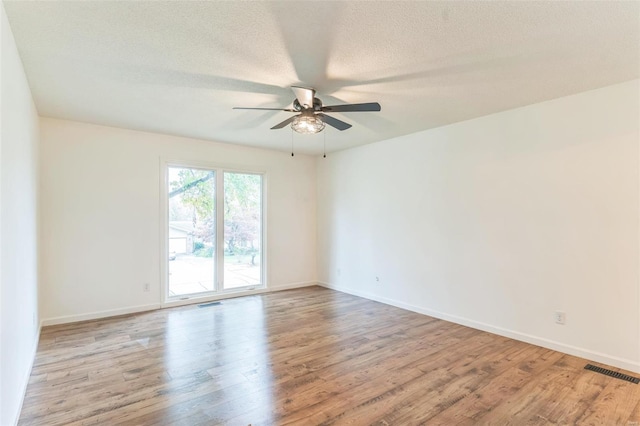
[242, 199]
[204, 252]
[197, 190]
[198, 246]
[241, 193]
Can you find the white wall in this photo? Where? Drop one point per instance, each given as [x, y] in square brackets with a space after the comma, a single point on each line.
[100, 198]
[499, 221]
[18, 227]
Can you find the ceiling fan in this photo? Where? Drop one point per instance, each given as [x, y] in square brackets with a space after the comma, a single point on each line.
[312, 117]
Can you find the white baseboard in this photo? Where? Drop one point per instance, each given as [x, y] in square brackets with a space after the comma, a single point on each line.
[25, 382]
[153, 306]
[523, 337]
[99, 314]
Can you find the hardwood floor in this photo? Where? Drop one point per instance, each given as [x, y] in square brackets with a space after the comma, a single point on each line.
[308, 356]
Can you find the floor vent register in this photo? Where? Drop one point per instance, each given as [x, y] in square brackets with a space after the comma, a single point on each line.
[612, 373]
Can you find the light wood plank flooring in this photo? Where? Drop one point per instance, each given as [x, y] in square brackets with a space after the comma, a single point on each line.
[308, 356]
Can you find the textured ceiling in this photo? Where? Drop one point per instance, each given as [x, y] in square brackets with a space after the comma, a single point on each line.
[179, 67]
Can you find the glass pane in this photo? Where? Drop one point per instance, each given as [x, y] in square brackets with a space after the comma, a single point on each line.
[191, 231]
[242, 230]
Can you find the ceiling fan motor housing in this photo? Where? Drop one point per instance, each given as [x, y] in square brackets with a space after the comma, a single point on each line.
[317, 105]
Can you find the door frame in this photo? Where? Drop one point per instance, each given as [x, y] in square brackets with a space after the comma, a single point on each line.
[219, 292]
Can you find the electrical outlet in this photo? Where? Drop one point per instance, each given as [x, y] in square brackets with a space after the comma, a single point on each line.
[560, 317]
[146, 287]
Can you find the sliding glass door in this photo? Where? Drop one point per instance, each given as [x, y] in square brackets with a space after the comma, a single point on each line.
[214, 232]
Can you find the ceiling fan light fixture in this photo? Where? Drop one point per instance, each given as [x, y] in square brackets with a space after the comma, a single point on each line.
[307, 124]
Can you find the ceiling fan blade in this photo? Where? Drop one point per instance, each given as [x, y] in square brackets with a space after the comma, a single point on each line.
[334, 122]
[284, 123]
[268, 109]
[304, 96]
[370, 106]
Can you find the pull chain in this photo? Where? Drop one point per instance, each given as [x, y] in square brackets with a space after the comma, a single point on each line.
[292, 141]
[324, 145]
